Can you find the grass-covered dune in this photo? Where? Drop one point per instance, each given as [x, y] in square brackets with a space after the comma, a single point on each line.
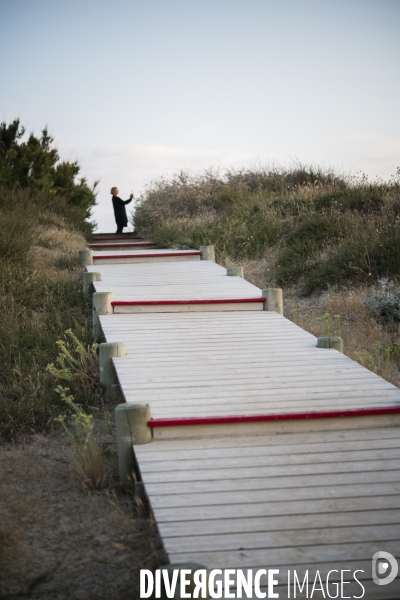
[332, 242]
[325, 229]
[43, 223]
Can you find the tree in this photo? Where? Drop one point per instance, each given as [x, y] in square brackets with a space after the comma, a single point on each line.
[35, 163]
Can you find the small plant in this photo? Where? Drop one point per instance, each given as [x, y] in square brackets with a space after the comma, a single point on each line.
[329, 326]
[384, 303]
[74, 361]
[379, 359]
[86, 456]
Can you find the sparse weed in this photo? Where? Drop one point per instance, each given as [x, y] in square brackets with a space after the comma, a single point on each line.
[86, 459]
[380, 359]
[74, 360]
[329, 326]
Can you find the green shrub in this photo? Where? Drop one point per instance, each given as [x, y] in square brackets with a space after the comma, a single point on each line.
[384, 303]
[304, 242]
[35, 164]
[360, 260]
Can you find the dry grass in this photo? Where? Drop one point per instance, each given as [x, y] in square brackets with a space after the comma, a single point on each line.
[55, 245]
[361, 333]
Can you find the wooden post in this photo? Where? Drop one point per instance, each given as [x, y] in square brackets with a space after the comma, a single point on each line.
[274, 300]
[190, 569]
[107, 371]
[208, 253]
[131, 421]
[88, 279]
[86, 257]
[235, 271]
[101, 306]
[334, 342]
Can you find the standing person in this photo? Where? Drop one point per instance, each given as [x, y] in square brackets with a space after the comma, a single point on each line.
[119, 209]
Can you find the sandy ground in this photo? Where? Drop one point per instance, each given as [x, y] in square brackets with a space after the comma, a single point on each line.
[61, 543]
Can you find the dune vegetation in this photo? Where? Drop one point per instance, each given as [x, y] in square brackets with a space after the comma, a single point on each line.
[331, 241]
[43, 224]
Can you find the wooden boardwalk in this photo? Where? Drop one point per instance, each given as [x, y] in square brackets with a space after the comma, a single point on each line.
[267, 451]
[124, 256]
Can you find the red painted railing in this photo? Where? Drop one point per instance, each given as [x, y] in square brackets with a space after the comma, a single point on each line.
[171, 302]
[324, 414]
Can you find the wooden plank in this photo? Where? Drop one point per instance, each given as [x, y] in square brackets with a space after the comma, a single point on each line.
[275, 428]
[264, 380]
[303, 440]
[187, 307]
[292, 458]
[201, 527]
[199, 499]
[281, 470]
[258, 447]
[254, 487]
[101, 260]
[281, 539]
[342, 554]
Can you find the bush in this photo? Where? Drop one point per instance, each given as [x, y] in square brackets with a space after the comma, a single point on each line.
[303, 244]
[384, 303]
[357, 261]
[35, 164]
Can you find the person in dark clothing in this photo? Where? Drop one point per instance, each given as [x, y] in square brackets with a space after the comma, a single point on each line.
[119, 209]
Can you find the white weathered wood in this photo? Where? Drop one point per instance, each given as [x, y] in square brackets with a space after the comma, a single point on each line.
[86, 257]
[235, 496]
[187, 307]
[88, 280]
[247, 447]
[101, 306]
[325, 440]
[275, 427]
[235, 272]
[208, 253]
[333, 342]
[108, 377]
[237, 491]
[131, 429]
[274, 300]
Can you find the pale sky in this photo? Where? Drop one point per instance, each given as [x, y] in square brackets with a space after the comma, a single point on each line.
[136, 89]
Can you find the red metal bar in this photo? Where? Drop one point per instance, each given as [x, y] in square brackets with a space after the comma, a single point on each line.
[155, 255]
[324, 414]
[156, 302]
